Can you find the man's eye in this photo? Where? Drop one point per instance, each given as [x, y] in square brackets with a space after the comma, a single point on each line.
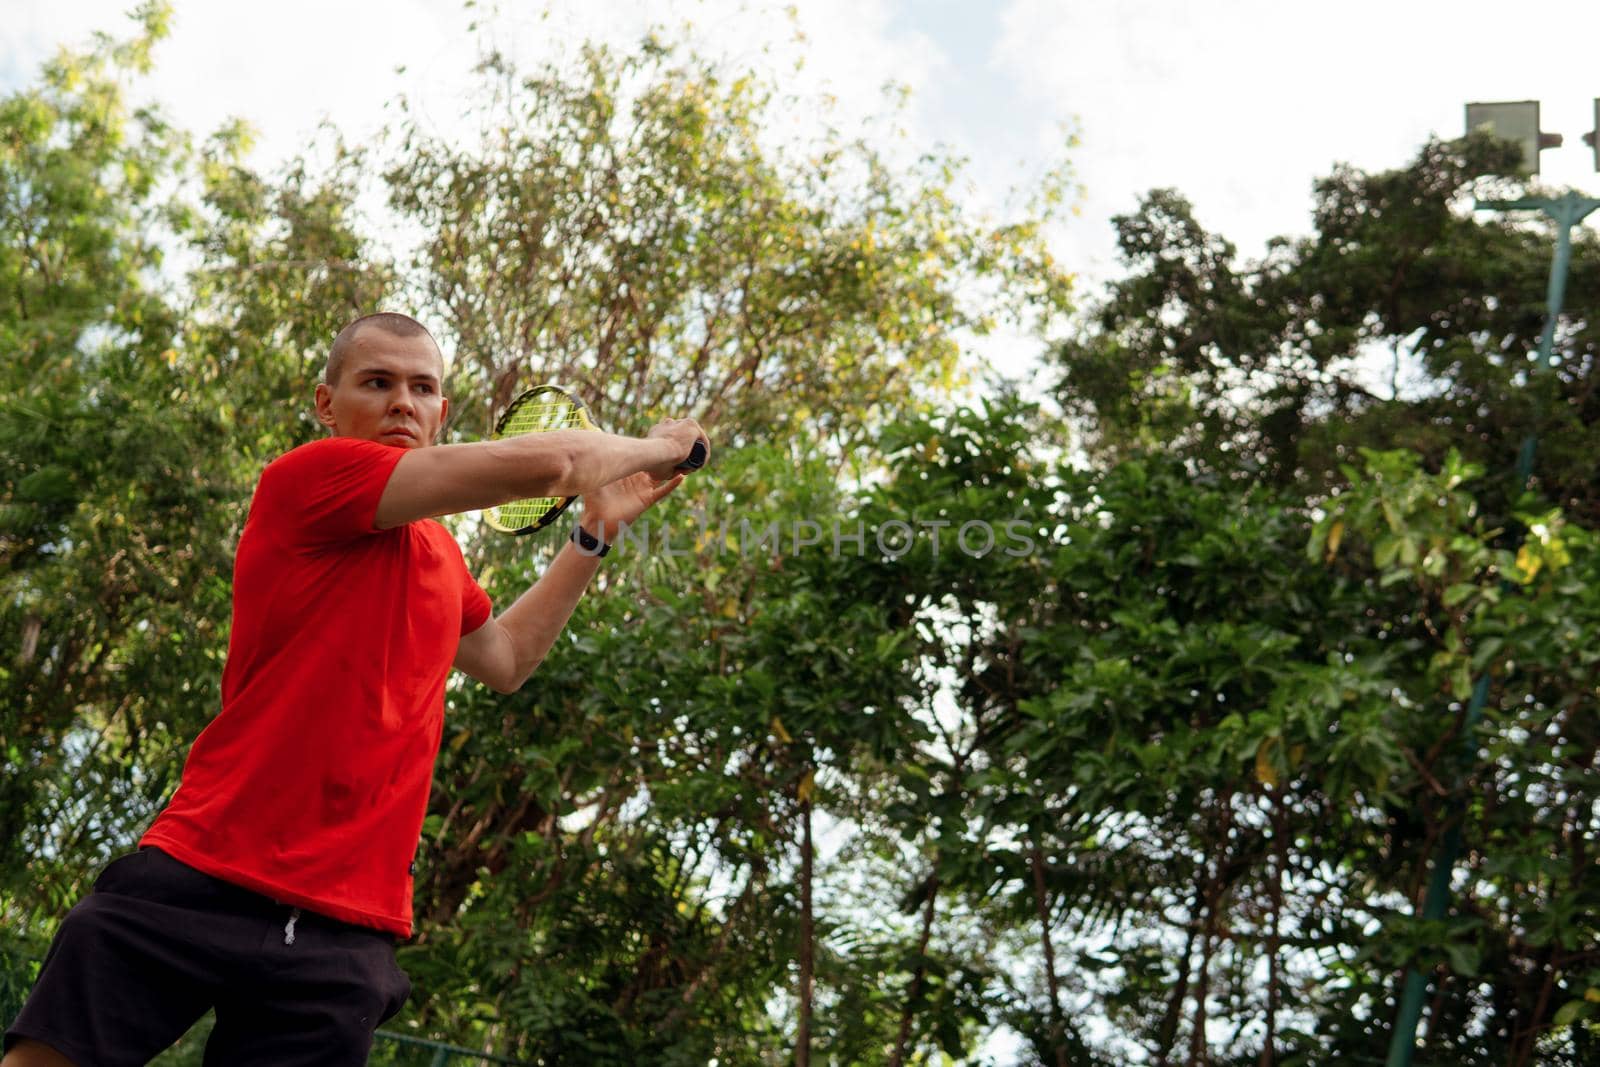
[425, 389]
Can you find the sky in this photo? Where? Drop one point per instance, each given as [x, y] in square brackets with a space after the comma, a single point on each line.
[1240, 104]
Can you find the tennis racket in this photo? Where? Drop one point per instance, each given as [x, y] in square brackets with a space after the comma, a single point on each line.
[540, 410]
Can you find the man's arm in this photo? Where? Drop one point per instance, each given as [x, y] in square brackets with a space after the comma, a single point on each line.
[505, 651]
[447, 479]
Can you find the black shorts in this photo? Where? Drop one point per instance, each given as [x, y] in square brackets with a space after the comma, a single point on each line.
[157, 944]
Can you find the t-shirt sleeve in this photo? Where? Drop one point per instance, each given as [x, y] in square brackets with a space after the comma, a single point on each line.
[325, 492]
[475, 605]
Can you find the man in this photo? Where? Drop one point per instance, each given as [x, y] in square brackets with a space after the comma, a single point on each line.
[274, 884]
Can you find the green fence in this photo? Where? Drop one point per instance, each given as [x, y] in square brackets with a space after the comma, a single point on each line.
[389, 1049]
[403, 1049]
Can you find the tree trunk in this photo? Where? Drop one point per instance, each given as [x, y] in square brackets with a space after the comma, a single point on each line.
[1197, 1038]
[802, 1051]
[1041, 904]
[1269, 1052]
[1526, 1043]
[918, 976]
[1199, 1051]
[1180, 993]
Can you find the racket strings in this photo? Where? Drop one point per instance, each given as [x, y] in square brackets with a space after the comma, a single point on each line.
[543, 417]
[536, 415]
[525, 512]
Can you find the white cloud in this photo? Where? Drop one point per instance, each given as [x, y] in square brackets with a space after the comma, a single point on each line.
[1241, 104]
[289, 65]
[284, 67]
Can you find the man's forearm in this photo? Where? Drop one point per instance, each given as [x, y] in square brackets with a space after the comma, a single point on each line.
[539, 615]
[597, 459]
[449, 479]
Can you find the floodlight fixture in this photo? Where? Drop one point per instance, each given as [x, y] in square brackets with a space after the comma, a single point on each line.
[1592, 138]
[1518, 121]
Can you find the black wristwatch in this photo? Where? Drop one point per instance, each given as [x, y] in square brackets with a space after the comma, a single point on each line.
[588, 543]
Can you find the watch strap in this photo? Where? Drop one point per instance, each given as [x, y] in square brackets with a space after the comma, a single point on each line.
[588, 543]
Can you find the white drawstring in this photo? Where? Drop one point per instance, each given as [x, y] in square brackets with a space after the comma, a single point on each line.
[288, 929]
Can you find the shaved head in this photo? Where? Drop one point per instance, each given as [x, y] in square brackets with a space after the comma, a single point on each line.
[390, 322]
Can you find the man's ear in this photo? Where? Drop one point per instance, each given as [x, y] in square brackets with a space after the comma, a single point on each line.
[325, 406]
[444, 418]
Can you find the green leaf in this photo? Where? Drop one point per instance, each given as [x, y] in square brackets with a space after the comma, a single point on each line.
[1464, 958]
[1573, 1011]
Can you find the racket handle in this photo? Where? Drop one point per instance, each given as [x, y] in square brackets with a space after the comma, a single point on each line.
[697, 458]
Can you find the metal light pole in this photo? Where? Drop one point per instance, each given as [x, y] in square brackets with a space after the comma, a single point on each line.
[1567, 211]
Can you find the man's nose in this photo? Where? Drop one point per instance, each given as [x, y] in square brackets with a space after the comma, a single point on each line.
[402, 401]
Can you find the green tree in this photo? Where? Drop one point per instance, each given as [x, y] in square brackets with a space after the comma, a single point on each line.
[1169, 773]
[140, 408]
[624, 224]
[1204, 736]
[618, 862]
[1405, 320]
[102, 489]
[1263, 372]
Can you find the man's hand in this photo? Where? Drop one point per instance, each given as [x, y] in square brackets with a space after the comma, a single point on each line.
[612, 507]
[683, 432]
[607, 511]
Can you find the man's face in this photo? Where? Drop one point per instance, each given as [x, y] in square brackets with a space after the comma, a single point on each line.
[388, 391]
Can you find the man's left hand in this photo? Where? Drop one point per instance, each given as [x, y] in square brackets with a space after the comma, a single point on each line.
[607, 510]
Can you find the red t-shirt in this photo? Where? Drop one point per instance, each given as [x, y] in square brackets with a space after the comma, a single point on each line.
[311, 784]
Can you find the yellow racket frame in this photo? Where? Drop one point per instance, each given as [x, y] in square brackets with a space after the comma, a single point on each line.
[538, 410]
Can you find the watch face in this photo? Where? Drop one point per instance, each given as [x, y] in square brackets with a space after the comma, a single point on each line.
[589, 542]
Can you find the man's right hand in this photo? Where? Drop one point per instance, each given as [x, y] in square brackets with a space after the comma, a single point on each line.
[682, 432]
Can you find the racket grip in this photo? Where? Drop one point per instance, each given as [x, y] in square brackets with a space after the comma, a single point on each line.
[697, 458]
